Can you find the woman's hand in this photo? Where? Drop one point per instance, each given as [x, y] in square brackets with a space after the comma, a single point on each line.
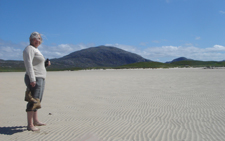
[47, 62]
[33, 84]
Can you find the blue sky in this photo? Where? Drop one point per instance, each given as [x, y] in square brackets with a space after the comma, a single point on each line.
[159, 30]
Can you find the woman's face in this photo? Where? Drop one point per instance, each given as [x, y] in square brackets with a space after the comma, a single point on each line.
[36, 41]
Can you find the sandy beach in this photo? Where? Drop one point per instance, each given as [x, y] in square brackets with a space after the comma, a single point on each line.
[119, 105]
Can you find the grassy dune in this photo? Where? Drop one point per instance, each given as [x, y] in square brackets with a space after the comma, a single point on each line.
[185, 63]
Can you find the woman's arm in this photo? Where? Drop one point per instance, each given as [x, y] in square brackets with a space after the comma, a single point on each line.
[28, 55]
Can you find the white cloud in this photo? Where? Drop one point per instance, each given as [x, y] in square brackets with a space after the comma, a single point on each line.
[156, 41]
[197, 38]
[143, 43]
[167, 1]
[61, 50]
[11, 51]
[126, 48]
[222, 12]
[216, 48]
[168, 53]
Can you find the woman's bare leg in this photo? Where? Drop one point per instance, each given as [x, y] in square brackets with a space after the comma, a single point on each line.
[30, 125]
[36, 121]
[30, 118]
[35, 117]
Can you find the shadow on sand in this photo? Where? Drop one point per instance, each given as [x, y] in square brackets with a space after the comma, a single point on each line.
[12, 130]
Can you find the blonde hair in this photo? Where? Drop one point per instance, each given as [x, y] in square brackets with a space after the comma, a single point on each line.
[34, 35]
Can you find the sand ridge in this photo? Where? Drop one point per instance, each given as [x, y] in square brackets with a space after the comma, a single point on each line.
[119, 105]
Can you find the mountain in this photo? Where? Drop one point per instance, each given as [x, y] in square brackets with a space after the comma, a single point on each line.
[107, 56]
[181, 64]
[101, 56]
[11, 65]
[179, 59]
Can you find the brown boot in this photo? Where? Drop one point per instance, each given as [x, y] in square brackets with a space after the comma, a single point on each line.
[28, 96]
[36, 105]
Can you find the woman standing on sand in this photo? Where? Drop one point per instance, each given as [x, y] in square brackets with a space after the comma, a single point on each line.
[34, 78]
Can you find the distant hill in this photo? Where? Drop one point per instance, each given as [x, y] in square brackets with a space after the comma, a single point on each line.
[11, 65]
[101, 56]
[195, 63]
[182, 64]
[179, 59]
[107, 56]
